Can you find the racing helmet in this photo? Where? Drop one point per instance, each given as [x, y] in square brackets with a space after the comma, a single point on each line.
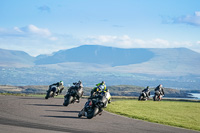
[62, 83]
[103, 82]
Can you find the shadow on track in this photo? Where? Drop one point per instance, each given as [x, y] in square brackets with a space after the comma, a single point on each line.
[35, 98]
[71, 117]
[19, 123]
[63, 111]
[46, 105]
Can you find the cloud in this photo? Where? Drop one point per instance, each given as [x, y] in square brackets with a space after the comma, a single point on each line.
[44, 8]
[116, 41]
[31, 39]
[35, 40]
[27, 31]
[189, 19]
[126, 41]
[32, 29]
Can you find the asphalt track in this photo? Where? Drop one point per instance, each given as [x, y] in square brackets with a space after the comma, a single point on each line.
[36, 115]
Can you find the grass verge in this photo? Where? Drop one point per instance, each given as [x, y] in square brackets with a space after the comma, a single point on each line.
[174, 113]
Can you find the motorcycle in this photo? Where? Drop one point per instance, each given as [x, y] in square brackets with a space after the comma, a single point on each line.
[51, 92]
[94, 105]
[142, 97]
[71, 96]
[157, 96]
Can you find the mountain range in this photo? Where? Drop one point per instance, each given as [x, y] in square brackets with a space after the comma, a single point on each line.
[180, 64]
[13, 58]
[98, 55]
[165, 61]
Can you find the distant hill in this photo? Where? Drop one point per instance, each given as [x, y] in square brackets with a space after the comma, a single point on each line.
[159, 61]
[98, 55]
[15, 58]
[168, 62]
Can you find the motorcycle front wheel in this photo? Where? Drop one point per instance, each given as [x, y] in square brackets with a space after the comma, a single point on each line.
[47, 95]
[67, 100]
[93, 113]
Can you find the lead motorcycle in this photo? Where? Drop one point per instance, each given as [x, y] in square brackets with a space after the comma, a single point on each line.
[51, 92]
[94, 105]
[72, 94]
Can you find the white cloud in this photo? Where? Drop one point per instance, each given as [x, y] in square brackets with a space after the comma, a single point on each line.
[125, 42]
[38, 31]
[197, 13]
[28, 31]
[31, 39]
[189, 19]
[17, 29]
[128, 42]
[115, 41]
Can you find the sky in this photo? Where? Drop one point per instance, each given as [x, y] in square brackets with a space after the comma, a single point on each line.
[46, 26]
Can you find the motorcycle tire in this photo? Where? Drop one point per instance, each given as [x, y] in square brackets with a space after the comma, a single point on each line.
[154, 98]
[68, 100]
[93, 113]
[80, 114]
[47, 95]
[139, 98]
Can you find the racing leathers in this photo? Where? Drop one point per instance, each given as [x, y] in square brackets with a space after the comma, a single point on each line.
[160, 89]
[146, 92]
[95, 89]
[79, 88]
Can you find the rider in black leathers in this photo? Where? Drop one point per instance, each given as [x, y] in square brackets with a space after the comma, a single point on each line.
[147, 92]
[79, 87]
[160, 89]
[59, 85]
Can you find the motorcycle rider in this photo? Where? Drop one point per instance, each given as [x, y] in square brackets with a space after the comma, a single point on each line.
[146, 92]
[160, 89]
[59, 85]
[79, 88]
[94, 90]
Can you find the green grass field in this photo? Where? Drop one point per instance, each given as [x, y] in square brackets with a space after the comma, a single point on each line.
[173, 113]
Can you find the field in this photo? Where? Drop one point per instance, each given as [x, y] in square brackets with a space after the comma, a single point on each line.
[174, 113]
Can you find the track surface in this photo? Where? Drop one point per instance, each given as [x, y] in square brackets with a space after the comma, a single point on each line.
[31, 115]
